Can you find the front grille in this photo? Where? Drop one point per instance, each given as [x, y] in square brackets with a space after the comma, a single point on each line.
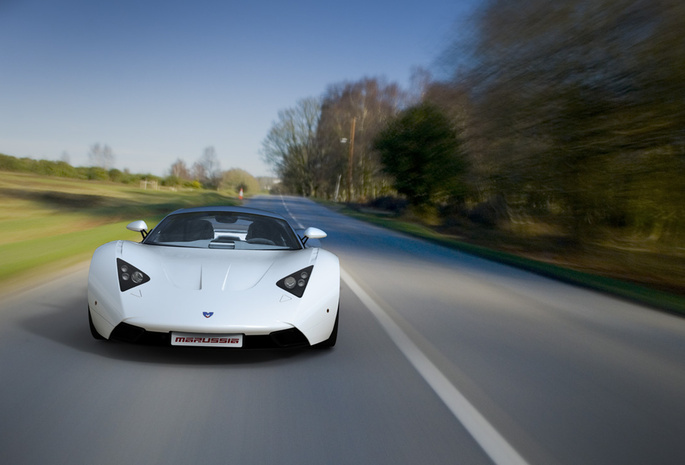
[287, 338]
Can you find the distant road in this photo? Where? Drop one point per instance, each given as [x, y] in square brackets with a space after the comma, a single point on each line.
[442, 358]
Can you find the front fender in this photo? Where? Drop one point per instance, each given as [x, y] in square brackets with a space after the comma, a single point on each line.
[104, 298]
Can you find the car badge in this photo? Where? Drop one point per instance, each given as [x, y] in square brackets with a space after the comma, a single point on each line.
[207, 314]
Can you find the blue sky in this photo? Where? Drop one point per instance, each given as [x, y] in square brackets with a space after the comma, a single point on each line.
[161, 80]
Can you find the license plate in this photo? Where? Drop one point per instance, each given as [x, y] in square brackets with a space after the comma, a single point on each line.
[206, 340]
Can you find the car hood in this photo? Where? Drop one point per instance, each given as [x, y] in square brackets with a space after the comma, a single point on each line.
[211, 269]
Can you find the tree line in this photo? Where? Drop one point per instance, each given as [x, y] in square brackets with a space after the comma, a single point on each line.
[205, 173]
[570, 113]
[64, 169]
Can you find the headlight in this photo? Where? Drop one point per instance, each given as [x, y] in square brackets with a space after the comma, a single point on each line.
[296, 283]
[129, 276]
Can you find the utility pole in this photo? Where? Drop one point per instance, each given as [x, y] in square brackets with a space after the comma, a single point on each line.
[350, 161]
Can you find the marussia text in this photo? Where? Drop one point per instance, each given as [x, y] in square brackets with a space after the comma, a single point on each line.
[208, 340]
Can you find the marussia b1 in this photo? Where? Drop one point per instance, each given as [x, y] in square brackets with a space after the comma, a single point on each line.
[216, 277]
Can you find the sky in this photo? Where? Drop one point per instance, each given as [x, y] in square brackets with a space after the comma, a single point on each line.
[162, 80]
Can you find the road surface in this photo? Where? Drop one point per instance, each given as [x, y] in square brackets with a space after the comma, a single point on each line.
[441, 358]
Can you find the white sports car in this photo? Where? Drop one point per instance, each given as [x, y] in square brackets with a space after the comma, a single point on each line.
[216, 277]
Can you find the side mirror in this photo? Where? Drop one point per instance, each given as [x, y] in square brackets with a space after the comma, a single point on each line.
[138, 226]
[313, 233]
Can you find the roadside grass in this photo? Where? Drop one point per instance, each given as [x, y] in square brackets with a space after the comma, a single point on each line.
[49, 223]
[580, 273]
[67, 249]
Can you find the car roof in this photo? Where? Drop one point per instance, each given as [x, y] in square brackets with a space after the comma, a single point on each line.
[228, 209]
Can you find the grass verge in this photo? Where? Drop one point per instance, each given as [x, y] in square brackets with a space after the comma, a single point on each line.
[627, 290]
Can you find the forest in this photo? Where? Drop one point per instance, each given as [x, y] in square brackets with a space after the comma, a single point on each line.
[563, 117]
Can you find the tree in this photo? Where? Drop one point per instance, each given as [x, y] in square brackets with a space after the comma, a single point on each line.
[423, 153]
[101, 156]
[180, 171]
[178, 174]
[236, 179]
[207, 169]
[580, 105]
[364, 106]
[199, 173]
[290, 147]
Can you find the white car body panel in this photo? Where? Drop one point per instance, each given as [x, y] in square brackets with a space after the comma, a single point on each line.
[237, 287]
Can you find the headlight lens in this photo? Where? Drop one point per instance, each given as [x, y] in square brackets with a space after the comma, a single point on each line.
[129, 276]
[137, 277]
[297, 282]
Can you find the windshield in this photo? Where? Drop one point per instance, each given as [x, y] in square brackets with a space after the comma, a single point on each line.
[224, 230]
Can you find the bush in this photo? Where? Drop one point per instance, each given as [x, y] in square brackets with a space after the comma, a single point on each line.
[389, 203]
[490, 213]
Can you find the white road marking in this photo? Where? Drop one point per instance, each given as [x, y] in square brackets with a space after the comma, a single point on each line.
[494, 445]
[298, 224]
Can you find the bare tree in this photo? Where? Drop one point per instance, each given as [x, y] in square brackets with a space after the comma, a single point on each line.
[180, 170]
[101, 156]
[198, 172]
[365, 106]
[290, 146]
[207, 169]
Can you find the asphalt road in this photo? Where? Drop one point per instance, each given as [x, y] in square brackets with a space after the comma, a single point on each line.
[441, 358]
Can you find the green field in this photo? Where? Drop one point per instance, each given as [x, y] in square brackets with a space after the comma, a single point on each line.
[49, 223]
